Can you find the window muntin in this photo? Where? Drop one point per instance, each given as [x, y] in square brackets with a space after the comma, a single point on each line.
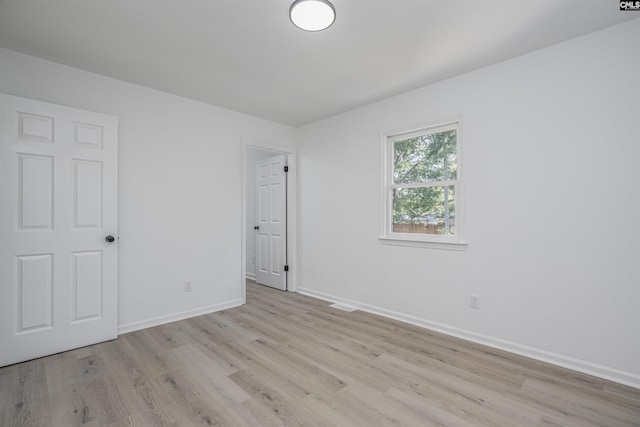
[422, 185]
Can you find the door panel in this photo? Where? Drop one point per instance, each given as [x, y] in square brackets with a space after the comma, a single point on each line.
[87, 192]
[35, 190]
[271, 216]
[58, 201]
[87, 285]
[34, 127]
[35, 290]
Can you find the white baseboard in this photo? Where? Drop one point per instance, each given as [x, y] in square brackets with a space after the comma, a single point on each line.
[607, 373]
[251, 276]
[161, 320]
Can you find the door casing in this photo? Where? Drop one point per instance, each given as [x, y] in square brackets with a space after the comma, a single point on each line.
[292, 248]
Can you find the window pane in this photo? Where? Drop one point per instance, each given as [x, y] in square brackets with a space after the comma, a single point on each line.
[425, 210]
[425, 158]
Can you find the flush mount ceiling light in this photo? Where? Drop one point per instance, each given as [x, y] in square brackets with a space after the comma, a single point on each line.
[312, 15]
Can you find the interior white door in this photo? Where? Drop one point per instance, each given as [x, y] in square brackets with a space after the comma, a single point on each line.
[58, 206]
[271, 204]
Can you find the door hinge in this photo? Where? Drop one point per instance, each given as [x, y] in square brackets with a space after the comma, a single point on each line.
[286, 268]
[286, 168]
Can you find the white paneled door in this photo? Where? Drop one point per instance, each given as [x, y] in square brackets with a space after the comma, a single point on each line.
[58, 225]
[271, 192]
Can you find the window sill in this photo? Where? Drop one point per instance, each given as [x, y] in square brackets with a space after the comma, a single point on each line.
[450, 246]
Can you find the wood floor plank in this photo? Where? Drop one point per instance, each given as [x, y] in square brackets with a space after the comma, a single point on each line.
[426, 409]
[63, 381]
[141, 395]
[261, 329]
[322, 409]
[268, 371]
[206, 342]
[623, 395]
[193, 403]
[28, 403]
[255, 414]
[353, 404]
[164, 337]
[311, 375]
[204, 370]
[290, 360]
[457, 394]
[272, 398]
[577, 406]
[341, 365]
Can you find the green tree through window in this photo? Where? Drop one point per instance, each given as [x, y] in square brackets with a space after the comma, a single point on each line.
[424, 179]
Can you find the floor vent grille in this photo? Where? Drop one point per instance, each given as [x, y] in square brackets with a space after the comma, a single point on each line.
[343, 307]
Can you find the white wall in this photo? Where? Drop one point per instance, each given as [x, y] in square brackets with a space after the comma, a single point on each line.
[253, 155]
[553, 162]
[180, 186]
[553, 170]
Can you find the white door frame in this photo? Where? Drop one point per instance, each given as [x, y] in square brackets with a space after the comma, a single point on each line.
[292, 218]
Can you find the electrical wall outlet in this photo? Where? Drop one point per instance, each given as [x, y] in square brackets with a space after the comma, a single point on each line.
[187, 286]
[474, 302]
[253, 259]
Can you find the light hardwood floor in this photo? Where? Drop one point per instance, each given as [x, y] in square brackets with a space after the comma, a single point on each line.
[287, 359]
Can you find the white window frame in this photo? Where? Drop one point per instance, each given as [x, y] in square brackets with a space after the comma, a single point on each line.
[457, 241]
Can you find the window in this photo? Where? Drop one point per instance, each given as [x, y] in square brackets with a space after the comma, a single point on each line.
[422, 187]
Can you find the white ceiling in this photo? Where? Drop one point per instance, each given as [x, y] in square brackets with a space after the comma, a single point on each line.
[245, 55]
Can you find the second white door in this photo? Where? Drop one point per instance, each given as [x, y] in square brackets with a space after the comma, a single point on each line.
[271, 204]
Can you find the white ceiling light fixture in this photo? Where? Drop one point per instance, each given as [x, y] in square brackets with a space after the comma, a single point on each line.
[312, 15]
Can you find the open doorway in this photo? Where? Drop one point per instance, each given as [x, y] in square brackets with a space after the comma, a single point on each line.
[257, 157]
